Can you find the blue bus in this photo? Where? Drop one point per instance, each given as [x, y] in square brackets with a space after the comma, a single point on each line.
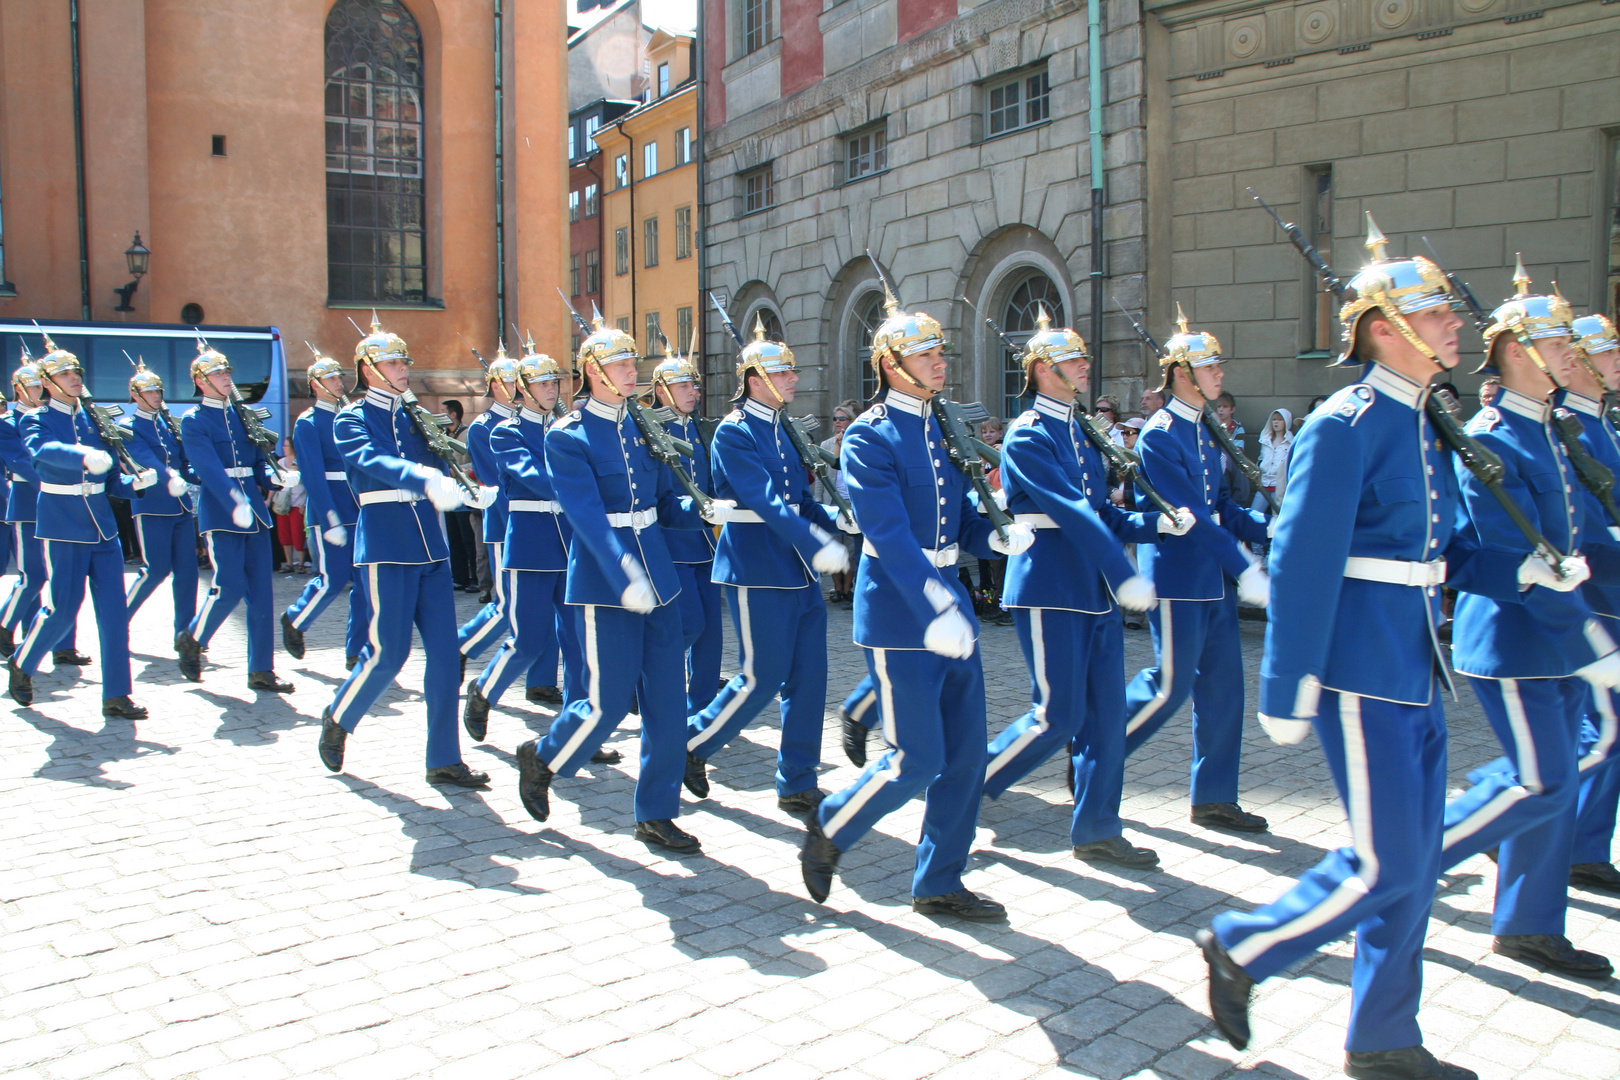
[258, 363]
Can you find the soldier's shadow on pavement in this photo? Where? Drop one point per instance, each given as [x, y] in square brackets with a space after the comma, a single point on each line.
[255, 723]
[79, 757]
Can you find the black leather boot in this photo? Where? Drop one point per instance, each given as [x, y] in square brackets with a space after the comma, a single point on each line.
[267, 681]
[292, 638]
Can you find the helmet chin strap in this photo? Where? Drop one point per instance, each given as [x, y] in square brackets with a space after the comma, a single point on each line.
[900, 369]
[386, 381]
[596, 366]
[771, 385]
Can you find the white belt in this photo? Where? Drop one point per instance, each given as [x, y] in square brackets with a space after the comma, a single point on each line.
[240, 472]
[1037, 521]
[751, 517]
[72, 489]
[388, 495]
[1396, 571]
[635, 519]
[535, 506]
[337, 476]
[945, 556]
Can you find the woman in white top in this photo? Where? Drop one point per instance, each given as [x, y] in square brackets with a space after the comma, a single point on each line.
[1275, 443]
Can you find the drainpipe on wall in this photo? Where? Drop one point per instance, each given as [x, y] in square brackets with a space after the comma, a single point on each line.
[78, 163]
[698, 62]
[500, 181]
[630, 225]
[1094, 58]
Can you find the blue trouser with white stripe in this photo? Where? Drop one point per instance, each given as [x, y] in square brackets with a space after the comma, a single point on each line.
[703, 626]
[489, 625]
[862, 704]
[334, 568]
[168, 550]
[399, 596]
[1389, 765]
[67, 566]
[782, 646]
[1077, 684]
[538, 619]
[241, 570]
[1527, 811]
[8, 549]
[628, 654]
[1200, 655]
[1600, 781]
[22, 603]
[933, 721]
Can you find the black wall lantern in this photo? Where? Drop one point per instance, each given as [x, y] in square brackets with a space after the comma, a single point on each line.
[138, 257]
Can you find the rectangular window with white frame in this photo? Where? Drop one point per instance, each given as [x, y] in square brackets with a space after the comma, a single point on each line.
[866, 152]
[573, 206]
[573, 151]
[756, 25]
[621, 171]
[759, 189]
[683, 146]
[593, 271]
[655, 336]
[621, 250]
[683, 232]
[683, 331]
[649, 241]
[1021, 101]
[663, 80]
[591, 207]
[649, 160]
[573, 274]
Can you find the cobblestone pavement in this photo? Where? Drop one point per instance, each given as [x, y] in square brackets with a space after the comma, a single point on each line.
[193, 895]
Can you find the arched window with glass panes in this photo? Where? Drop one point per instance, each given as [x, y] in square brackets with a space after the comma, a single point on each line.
[865, 317]
[375, 202]
[1018, 319]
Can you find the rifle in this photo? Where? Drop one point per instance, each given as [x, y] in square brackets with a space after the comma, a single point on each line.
[1445, 414]
[106, 421]
[660, 443]
[432, 428]
[811, 455]
[253, 423]
[969, 454]
[1127, 464]
[1595, 476]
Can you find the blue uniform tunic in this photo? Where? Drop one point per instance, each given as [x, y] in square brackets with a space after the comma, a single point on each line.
[914, 509]
[328, 504]
[1195, 627]
[763, 564]
[1060, 592]
[1521, 654]
[536, 562]
[619, 499]
[232, 471]
[403, 563]
[702, 623]
[79, 534]
[490, 624]
[166, 524]
[22, 602]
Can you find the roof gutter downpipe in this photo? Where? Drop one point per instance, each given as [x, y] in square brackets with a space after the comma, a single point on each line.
[1094, 62]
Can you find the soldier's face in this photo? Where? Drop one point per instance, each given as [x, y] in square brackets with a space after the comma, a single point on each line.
[928, 368]
[1607, 363]
[395, 372]
[1437, 328]
[28, 397]
[1078, 372]
[1558, 353]
[151, 399]
[621, 374]
[1208, 379]
[70, 383]
[786, 383]
[682, 396]
[332, 384]
[503, 391]
[543, 392]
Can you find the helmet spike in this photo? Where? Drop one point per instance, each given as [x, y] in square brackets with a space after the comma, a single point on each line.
[376, 327]
[759, 327]
[26, 355]
[1042, 319]
[314, 350]
[500, 349]
[1521, 277]
[1376, 241]
[596, 317]
[1181, 318]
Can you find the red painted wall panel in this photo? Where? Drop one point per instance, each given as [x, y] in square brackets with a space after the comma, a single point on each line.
[714, 61]
[919, 16]
[801, 43]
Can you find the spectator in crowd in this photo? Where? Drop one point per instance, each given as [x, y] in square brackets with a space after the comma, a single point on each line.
[458, 523]
[1152, 402]
[1107, 413]
[1226, 413]
[1275, 443]
[287, 505]
[1488, 390]
[843, 584]
[1299, 420]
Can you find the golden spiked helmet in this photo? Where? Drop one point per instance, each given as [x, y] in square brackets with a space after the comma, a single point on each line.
[535, 366]
[27, 373]
[1595, 334]
[903, 334]
[1189, 348]
[379, 344]
[1395, 287]
[1050, 347]
[1528, 318]
[145, 379]
[323, 367]
[57, 360]
[501, 369]
[761, 357]
[208, 361]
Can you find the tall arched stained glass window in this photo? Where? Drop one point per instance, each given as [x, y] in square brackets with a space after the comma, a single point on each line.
[375, 220]
[1018, 319]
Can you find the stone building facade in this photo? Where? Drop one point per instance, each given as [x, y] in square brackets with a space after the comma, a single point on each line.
[1488, 126]
[950, 140]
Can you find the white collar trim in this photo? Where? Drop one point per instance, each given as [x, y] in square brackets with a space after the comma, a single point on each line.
[1183, 409]
[62, 408]
[758, 408]
[903, 401]
[529, 414]
[144, 415]
[505, 412]
[1396, 385]
[597, 407]
[382, 398]
[1049, 406]
[1522, 404]
[215, 402]
[327, 406]
[1582, 404]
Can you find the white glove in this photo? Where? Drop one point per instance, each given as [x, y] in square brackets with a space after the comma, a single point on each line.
[950, 634]
[1176, 524]
[1284, 731]
[831, 559]
[1136, 593]
[1020, 534]
[1254, 587]
[443, 492]
[144, 479]
[719, 511]
[638, 596]
[1535, 571]
[177, 484]
[290, 478]
[486, 498]
[241, 513]
[337, 534]
[97, 461]
[999, 496]
[1604, 672]
[847, 524]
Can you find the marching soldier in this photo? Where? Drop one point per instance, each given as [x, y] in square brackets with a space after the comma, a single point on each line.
[236, 524]
[330, 514]
[402, 558]
[535, 555]
[1362, 545]
[489, 625]
[1597, 341]
[769, 561]
[79, 534]
[622, 586]
[1200, 578]
[1065, 594]
[677, 384]
[914, 619]
[166, 523]
[1530, 657]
